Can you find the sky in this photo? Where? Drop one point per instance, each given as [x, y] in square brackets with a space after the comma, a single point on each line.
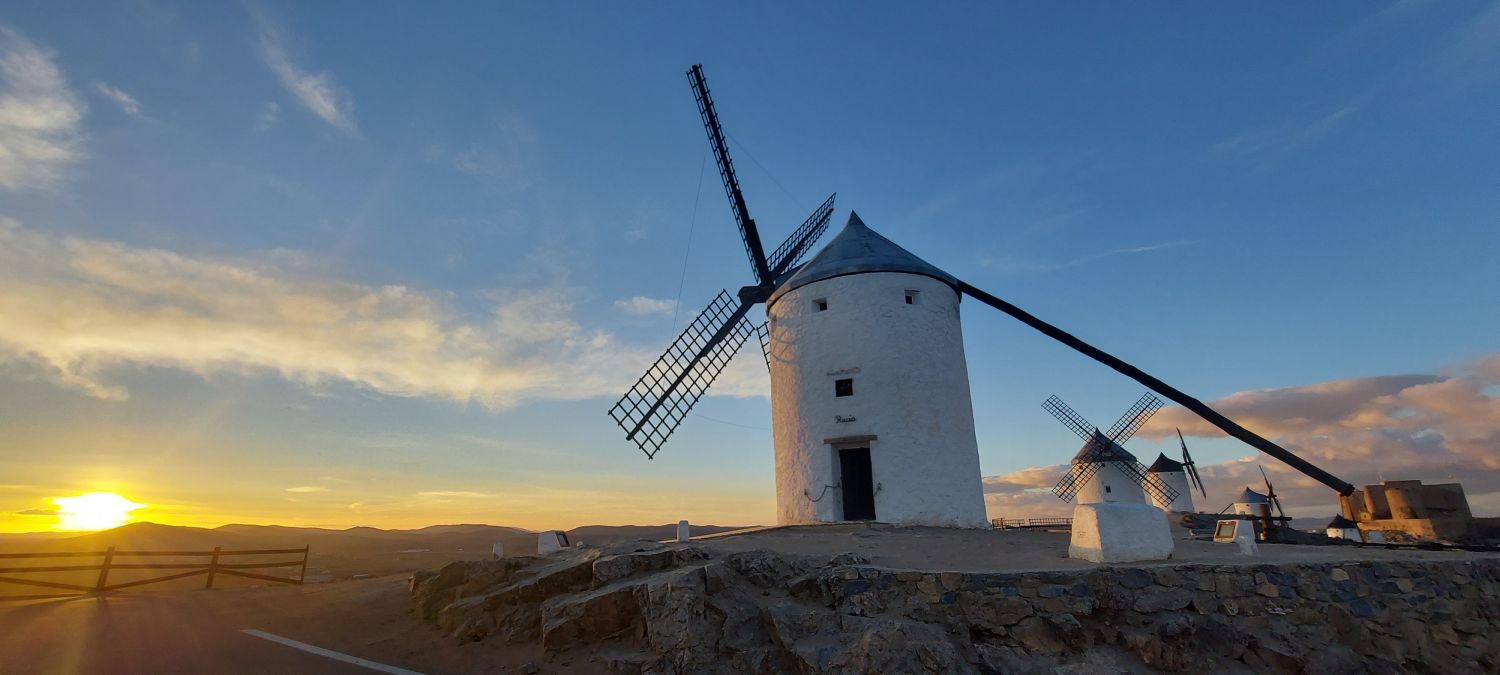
[351, 263]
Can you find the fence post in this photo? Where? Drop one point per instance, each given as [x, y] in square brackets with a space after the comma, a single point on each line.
[303, 576]
[213, 566]
[109, 555]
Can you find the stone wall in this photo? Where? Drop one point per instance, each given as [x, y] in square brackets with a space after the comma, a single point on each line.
[654, 609]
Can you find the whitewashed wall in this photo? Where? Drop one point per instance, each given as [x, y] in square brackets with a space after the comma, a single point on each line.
[1177, 480]
[1122, 487]
[911, 391]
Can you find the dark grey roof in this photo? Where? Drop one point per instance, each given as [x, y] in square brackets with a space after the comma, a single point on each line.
[1164, 464]
[1113, 453]
[857, 249]
[1251, 497]
[1339, 522]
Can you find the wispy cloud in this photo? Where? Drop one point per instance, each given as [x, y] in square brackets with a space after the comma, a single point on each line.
[270, 114]
[83, 308]
[120, 97]
[455, 493]
[641, 305]
[306, 489]
[316, 91]
[39, 116]
[1015, 266]
[1268, 146]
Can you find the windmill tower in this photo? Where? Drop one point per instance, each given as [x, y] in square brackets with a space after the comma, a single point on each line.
[1112, 521]
[870, 389]
[870, 392]
[1176, 475]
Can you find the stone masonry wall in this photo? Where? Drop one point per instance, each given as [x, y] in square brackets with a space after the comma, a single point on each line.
[647, 608]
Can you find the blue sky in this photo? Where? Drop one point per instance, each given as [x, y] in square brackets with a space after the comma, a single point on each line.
[401, 257]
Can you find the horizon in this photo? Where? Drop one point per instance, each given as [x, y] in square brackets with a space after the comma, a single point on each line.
[258, 267]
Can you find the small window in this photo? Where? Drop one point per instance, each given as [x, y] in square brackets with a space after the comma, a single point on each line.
[911, 297]
[821, 304]
[1106, 489]
[843, 387]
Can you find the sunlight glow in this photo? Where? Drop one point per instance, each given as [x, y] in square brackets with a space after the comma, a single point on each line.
[93, 511]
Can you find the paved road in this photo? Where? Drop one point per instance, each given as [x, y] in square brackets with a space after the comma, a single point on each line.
[182, 632]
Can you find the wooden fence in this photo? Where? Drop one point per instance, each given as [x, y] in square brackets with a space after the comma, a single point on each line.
[214, 567]
[1009, 523]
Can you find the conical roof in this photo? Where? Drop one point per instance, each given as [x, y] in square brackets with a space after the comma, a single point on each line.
[1164, 464]
[1339, 522]
[857, 249]
[1113, 453]
[1251, 497]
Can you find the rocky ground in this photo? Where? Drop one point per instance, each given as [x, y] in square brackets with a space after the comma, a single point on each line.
[645, 607]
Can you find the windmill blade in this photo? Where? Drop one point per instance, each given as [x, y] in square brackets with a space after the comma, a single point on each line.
[1157, 489]
[790, 252]
[748, 232]
[1192, 468]
[1133, 419]
[1067, 488]
[765, 343]
[1228, 426]
[658, 402]
[1271, 492]
[1070, 418]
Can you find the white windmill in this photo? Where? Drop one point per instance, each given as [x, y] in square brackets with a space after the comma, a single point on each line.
[870, 399]
[1112, 521]
[1169, 472]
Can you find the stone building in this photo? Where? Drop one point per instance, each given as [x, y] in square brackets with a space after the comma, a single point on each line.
[1431, 512]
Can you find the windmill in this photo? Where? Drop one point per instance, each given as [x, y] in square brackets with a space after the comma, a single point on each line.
[1189, 466]
[1104, 451]
[869, 385]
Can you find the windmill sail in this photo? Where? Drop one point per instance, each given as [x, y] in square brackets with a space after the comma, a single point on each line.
[661, 398]
[1098, 446]
[1192, 468]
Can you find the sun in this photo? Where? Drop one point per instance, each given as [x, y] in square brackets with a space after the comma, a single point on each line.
[93, 511]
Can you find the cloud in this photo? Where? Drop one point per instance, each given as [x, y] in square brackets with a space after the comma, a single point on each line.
[1435, 428]
[641, 305]
[39, 116]
[39, 512]
[270, 114]
[304, 489]
[455, 493]
[317, 91]
[126, 102]
[1013, 266]
[82, 310]
[1269, 146]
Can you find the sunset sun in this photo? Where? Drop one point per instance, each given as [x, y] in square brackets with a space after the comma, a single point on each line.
[93, 511]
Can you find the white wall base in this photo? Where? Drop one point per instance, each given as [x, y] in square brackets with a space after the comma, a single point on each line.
[1116, 532]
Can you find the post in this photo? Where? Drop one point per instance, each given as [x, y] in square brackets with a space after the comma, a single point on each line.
[109, 556]
[213, 566]
[683, 534]
[303, 575]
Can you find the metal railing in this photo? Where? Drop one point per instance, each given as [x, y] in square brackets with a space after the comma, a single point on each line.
[212, 568]
[1016, 523]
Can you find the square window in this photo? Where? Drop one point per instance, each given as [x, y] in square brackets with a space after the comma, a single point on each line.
[843, 387]
[821, 304]
[911, 297]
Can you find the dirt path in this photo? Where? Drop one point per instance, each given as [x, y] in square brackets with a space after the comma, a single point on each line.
[198, 631]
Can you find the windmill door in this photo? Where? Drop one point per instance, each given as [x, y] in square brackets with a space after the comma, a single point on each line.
[858, 483]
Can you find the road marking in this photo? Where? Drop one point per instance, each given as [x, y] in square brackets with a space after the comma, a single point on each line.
[329, 653]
